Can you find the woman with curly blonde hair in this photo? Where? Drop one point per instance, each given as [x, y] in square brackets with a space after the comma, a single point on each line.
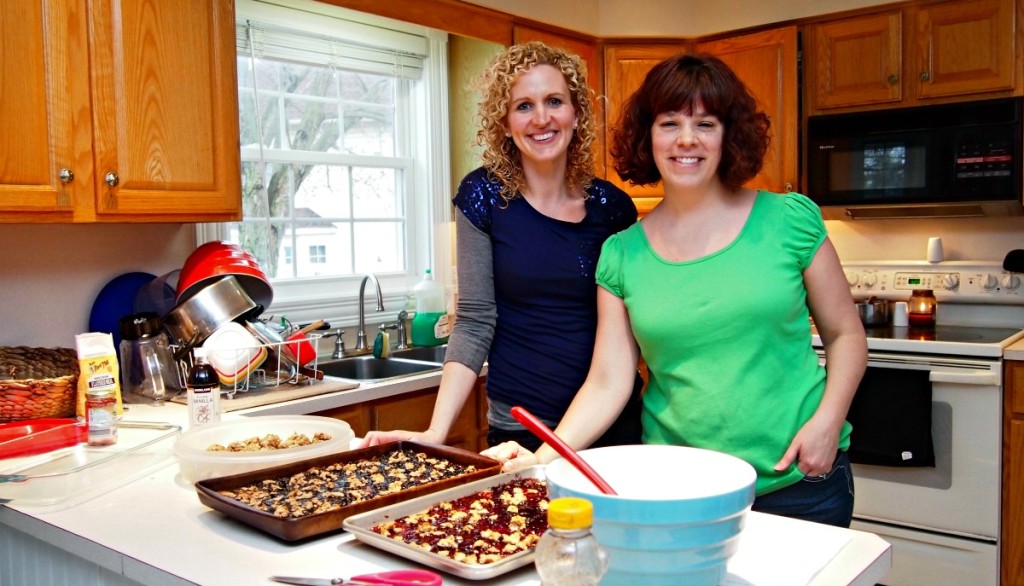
[529, 227]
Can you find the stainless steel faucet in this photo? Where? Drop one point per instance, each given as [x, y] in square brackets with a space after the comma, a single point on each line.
[361, 334]
[403, 316]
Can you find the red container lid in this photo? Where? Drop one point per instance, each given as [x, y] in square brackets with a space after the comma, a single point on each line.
[38, 436]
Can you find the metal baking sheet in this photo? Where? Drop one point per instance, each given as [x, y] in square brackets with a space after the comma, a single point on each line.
[294, 529]
[361, 526]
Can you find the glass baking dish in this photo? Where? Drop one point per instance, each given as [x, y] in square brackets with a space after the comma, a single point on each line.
[74, 473]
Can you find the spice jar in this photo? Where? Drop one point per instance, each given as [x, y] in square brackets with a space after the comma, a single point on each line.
[100, 405]
[921, 308]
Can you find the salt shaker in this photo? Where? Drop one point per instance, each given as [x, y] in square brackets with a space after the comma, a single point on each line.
[899, 315]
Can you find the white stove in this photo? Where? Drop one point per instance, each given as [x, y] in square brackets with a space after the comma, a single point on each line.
[942, 517]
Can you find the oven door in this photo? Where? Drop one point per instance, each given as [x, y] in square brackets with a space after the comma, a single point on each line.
[960, 494]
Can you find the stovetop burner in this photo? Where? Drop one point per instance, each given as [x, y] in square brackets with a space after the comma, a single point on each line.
[941, 333]
[944, 340]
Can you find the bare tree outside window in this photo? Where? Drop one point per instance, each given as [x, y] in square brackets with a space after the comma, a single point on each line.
[316, 141]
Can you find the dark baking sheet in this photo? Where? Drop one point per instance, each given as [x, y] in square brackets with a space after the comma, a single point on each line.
[361, 526]
[294, 529]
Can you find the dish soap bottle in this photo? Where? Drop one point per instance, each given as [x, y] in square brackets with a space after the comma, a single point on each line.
[430, 323]
[567, 553]
[203, 387]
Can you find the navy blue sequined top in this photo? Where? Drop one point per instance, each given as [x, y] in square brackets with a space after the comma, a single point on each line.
[544, 289]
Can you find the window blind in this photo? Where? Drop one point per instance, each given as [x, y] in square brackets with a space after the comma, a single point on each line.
[402, 57]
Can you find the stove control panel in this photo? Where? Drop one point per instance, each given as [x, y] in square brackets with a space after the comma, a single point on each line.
[953, 281]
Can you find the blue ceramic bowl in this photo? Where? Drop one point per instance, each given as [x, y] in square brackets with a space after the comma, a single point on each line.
[677, 517]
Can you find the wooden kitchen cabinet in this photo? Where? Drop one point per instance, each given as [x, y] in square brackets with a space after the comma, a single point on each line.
[1012, 546]
[412, 412]
[939, 52]
[625, 67]
[118, 111]
[767, 63]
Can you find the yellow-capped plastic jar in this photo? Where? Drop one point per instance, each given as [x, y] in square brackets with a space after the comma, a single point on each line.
[567, 554]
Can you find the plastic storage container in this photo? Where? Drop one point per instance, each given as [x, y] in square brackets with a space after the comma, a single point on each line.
[429, 325]
[197, 463]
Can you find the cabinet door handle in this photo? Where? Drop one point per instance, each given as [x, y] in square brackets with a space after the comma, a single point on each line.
[66, 176]
[924, 76]
[894, 79]
[112, 179]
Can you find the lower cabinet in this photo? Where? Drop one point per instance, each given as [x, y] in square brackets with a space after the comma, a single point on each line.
[1012, 546]
[412, 411]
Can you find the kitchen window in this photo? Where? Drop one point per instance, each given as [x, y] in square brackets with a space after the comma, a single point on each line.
[343, 122]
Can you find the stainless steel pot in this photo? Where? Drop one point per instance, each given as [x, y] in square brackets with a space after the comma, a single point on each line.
[873, 312]
[193, 320]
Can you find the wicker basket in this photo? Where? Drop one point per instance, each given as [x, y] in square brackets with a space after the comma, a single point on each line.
[37, 382]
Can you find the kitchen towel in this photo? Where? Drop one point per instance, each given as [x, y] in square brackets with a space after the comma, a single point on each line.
[891, 416]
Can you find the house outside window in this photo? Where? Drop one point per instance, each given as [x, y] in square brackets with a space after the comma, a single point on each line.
[343, 120]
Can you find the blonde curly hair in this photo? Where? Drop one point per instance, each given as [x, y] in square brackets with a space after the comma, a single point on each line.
[501, 156]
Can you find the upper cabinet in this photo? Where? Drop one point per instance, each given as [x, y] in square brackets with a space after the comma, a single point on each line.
[625, 67]
[922, 54]
[767, 63]
[118, 111]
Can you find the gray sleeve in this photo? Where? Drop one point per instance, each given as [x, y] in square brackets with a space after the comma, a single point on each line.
[476, 314]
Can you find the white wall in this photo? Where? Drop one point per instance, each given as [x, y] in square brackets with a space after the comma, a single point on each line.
[50, 275]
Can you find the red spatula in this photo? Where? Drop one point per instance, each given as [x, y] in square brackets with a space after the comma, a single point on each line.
[544, 432]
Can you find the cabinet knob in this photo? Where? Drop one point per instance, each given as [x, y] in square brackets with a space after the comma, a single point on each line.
[894, 79]
[112, 179]
[788, 187]
[924, 76]
[66, 176]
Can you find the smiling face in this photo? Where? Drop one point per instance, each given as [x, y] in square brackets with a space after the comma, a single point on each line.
[687, 147]
[541, 117]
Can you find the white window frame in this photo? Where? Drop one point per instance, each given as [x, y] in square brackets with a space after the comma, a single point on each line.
[427, 180]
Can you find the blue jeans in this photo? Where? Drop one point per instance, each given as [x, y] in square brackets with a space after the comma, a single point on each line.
[823, 499]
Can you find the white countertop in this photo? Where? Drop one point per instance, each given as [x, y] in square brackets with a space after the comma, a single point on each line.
[155, 531]
[1014, 351]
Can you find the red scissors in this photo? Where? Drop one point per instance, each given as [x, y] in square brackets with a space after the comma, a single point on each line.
[390, 578]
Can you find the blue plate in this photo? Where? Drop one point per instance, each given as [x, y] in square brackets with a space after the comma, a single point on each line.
[115, 300]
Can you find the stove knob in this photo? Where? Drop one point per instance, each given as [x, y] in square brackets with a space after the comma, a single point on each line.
[1010, 282]
[951, 281]
[869, 280]
[989, 282]
[852, 278]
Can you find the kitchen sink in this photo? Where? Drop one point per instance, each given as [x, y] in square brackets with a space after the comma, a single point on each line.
[368, 368]
[427, 353]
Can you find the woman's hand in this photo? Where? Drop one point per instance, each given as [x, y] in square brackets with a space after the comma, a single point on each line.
[375, 438]
[813, 449]
[512, 456]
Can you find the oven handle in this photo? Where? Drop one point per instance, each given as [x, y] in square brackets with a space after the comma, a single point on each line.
[988, 378]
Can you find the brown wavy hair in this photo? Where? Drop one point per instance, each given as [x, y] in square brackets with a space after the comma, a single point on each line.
[674, 85]
[501, 156]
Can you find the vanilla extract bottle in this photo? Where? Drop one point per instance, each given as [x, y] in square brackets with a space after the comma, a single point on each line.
[203, 388]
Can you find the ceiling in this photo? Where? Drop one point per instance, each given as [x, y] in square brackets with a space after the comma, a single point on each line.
[667, 18]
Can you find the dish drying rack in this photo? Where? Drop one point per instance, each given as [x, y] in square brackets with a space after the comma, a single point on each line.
[274, 371]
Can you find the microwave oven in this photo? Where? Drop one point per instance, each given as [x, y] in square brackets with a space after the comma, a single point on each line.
[950, 160]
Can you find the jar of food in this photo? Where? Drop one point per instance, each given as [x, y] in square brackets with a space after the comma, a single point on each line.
[921, 308]
[100, 406]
